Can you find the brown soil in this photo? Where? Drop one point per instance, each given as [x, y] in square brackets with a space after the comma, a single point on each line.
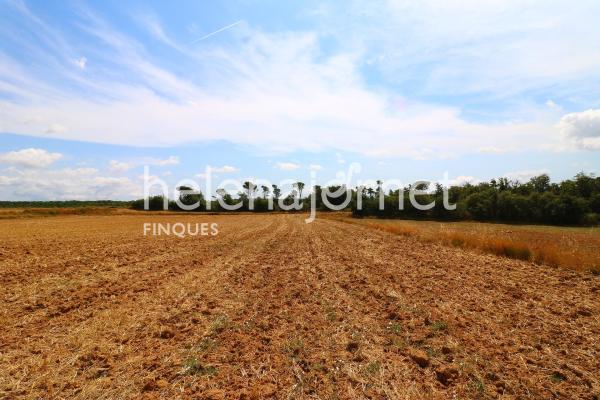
[273, 307]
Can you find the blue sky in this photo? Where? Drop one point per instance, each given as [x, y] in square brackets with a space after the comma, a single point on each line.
[90, 92]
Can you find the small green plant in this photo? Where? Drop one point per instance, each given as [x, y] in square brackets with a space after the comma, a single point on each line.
[373, 367]
[219, 324]
[192, 366]
[330, 314]
[319, 367]
[430, 352]
[477, 384]
[395, 328]
[438, 326]
[399, 343]
[558, 377]
[294, 347]
[206, 344]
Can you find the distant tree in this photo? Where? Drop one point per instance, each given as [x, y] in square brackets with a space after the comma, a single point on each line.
[540, 183]
[503, 184]
[227, 199]
[318, 193]
[221, 192]
[290, 198]
[276, 192]
[250, 188]
[585, 184]
[265, 190]
[299, 186]
[190, 197]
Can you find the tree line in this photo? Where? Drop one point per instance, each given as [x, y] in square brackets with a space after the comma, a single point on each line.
[253, 198]
[570, 202]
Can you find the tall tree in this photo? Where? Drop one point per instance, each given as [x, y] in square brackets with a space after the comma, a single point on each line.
[276, 192]
[299, 186]
[250, 188]
[265, 190]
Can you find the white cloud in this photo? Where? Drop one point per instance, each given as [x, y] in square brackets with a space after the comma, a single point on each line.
[463, 180]
[123, 166]
[31, 157]
[582, 129]
[67, 184]
[81, 62]
[7, 180]
[287, 166]
[340, 159]
[118, 166]
[285, 82]
[172, 160]
[315, 167]
[525, 175]
[462, 46]
[553, 106]
[56, 129]
[225, 169]
[490, 150]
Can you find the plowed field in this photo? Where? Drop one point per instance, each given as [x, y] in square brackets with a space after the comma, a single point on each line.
[274, 307]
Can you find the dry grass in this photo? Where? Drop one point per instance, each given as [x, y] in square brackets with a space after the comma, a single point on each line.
[575, 248]
[10, 213]
[272, 307]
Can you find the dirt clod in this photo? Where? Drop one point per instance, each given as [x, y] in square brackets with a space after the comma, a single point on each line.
[352, 346]
[446, 374]
[272, 307]
[419, 356]
[166, 334]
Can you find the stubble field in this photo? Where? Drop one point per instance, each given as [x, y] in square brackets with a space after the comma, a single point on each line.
[274, 307]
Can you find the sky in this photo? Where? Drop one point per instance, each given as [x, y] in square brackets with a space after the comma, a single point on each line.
[458, 91]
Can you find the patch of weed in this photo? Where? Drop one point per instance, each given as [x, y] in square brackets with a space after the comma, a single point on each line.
[439, 326]
[558, 377]
[294, 347]
[219, 324]
[192, 366]
[373, 367]
[206, 344]
[395, 328]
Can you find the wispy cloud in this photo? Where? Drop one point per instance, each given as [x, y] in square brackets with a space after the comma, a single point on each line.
[225, 169]
[66, 184]
[31, 157]
[525, 175]
[287, 166]
[81, 62]
[118, 166]
[281, 91]
[217, 31]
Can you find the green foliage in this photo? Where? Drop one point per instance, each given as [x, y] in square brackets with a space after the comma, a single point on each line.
[571, 202]
[438, 326]
[155, 203]
[189, 197]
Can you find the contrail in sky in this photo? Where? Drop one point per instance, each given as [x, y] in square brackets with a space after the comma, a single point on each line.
[217, 31]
